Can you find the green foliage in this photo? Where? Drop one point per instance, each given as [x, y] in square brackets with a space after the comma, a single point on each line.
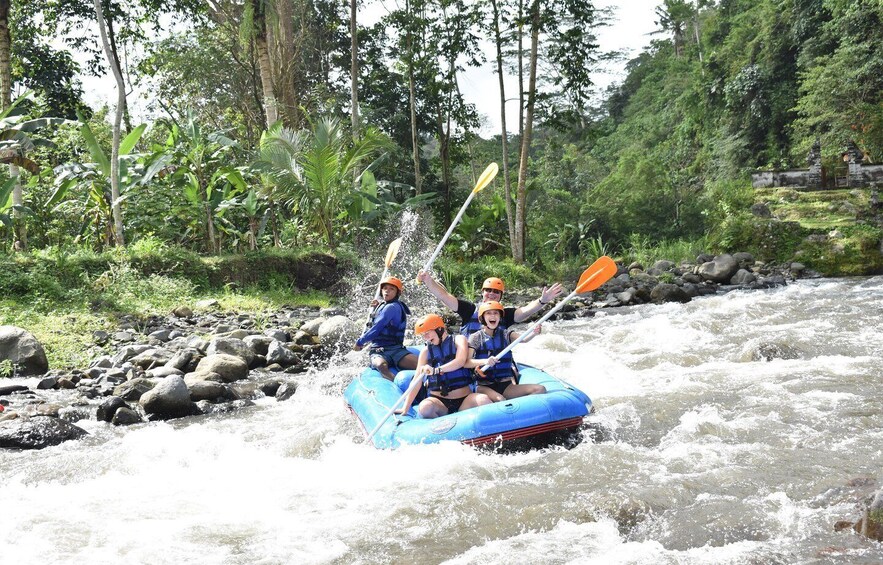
[852, 250]
[312, 172]
[7, 369]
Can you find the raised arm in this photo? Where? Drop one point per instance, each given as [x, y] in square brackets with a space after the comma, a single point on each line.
[548, 295]
[438, 290]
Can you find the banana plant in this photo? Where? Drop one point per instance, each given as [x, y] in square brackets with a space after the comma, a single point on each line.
[93, 180]
[16, 141]
[203, 172]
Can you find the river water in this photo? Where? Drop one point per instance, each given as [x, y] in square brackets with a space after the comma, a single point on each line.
[712, 454]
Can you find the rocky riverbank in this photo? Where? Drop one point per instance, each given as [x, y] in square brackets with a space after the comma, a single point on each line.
[198, 360]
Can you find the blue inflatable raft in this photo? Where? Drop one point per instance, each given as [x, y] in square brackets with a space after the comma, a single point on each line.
[534, 421]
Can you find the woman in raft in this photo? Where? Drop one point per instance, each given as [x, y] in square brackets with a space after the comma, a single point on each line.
[499, 381]
[443, 364]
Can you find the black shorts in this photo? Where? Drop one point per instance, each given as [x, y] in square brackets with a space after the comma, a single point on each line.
[452, 404]
[498, 386]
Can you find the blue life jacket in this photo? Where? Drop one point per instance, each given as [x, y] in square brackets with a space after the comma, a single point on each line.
[472, 325]
[490, 346]
[446, 382]
[390, 334]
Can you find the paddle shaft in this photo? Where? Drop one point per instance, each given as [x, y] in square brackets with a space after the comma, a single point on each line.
[383, 276]
[448, 233]
[527, 332]
[414, 384]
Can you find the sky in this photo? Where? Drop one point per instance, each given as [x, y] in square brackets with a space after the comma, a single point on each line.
[633, 21]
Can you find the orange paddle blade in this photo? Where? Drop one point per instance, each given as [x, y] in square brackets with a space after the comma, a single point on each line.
[597, 274]
[392, 251]
[486, 177]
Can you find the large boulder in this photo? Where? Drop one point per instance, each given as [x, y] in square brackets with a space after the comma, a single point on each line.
[667, 292]
[170, 398]
[719, 270]
[37, 432]
[338, 329]
[23, 350]
[279, 353]
[229, 367]
[231, 346]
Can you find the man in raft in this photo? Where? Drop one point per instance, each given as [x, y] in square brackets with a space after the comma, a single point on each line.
[492, 289]
[500, 381]
[442, 363]
[386, 331]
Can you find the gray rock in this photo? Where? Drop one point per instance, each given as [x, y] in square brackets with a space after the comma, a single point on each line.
[258, 343]
[23, 350]
[37, 432]
[761, 210]
[720, 270]
[667, 292]
[182, 359]
[277, 334]
[127, 353]
[132, 391]
[312, 327]
[125, 416]
[103, 362]
[745, 260]
[165, 371]
[12, 389]
[182, 312]
[286, 391]
[108, 408]
[337, 329]
[279, 353]
[47, 383]
[229, 367]
[231, 346]
[743, 277]
[161, 335]
[206, 390]
[170, 398]
[150, 358]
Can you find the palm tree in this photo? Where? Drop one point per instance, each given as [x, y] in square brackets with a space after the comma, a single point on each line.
[311, 172]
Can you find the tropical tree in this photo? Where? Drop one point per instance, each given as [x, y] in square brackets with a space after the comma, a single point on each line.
[312, 171]
[205, 171]
[94, 179]
[15, 145]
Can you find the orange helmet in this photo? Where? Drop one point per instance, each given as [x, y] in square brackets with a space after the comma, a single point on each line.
[486, 306]
[493, 283]
[429, 322]
[394, 282]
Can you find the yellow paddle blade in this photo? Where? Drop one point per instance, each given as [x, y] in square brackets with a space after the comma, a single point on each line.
[392, 251]
[486, 177]
[597, 274]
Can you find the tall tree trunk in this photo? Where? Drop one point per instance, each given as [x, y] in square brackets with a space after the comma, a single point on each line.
[520, 69]
[286, 67]
[354, 69]
[262, 52]
[21, 228]
[521, 203]
[412, 102]
[111, 36]
[118, 116]
[504, 135]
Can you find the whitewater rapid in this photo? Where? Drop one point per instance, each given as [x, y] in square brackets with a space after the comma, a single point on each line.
[711, 454]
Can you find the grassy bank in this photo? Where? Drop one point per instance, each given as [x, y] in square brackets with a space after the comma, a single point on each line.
[63, 297]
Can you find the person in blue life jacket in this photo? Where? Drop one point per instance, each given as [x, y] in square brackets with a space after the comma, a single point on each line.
[442, 364]
[386, 331]
[491, 289]
[500, 380]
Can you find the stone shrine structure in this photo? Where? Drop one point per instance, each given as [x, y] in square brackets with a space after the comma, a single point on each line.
[816, 177]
